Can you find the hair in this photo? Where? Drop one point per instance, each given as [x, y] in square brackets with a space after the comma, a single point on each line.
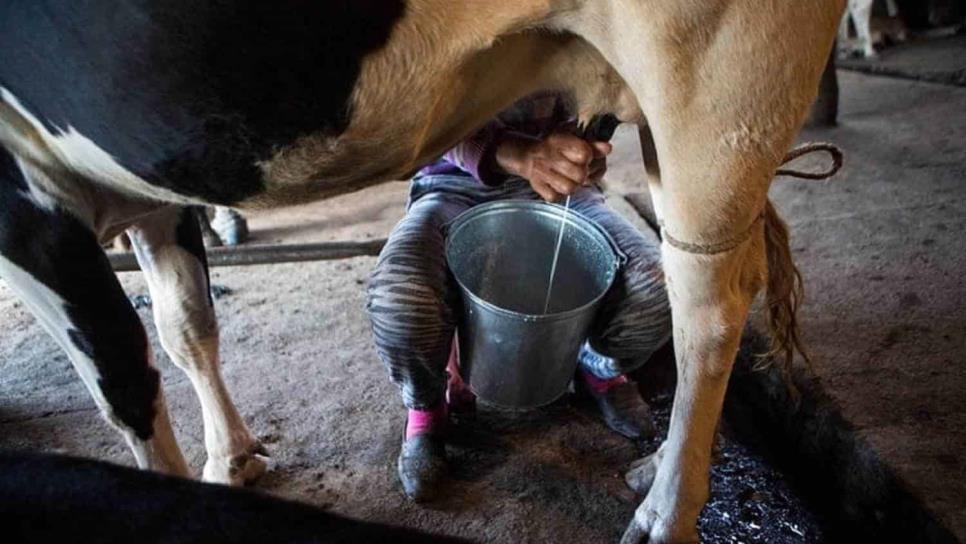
[783, 297]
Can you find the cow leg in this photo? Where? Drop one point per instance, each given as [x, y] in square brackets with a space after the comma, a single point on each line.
[170, 251]
[710, 297]
[721, 119]
[844, 27]
[862, 15]
[52, 260]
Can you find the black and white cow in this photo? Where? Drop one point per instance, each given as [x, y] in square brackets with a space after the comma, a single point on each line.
[112, 113]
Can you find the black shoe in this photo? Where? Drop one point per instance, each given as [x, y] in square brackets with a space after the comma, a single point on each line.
[624, 411]
[422, 466]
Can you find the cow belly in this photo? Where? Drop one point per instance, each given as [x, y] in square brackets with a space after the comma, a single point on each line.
[23, 134]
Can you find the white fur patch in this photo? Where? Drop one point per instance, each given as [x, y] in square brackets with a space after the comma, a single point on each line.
[49, 309]
[39, 197]
[161, 451]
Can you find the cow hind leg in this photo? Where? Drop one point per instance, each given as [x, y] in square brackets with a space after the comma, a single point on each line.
[721, 120]
[54, 263]
[169, 248]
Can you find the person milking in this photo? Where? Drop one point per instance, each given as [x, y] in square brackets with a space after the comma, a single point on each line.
[530, 151]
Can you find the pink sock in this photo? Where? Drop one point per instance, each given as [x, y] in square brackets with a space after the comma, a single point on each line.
[598, 385]
[424, 421]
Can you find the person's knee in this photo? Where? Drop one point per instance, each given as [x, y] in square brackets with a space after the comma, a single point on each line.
[640, 316]
[650, 302]
[412, 328]
[409, 308]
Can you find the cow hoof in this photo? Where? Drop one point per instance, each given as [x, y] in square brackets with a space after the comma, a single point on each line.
[237, 470]
[654, 524]
[635, 534]
[641, 475]
[645, 529]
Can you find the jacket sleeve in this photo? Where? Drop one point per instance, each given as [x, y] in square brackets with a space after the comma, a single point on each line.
[473, 154]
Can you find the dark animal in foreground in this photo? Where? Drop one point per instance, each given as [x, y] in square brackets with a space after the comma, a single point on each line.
[46, 498]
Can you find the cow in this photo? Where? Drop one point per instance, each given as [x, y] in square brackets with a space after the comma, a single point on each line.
[859, 12]
[114, 114]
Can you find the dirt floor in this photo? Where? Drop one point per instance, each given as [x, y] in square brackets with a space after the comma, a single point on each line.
[882, 256]
[323, 406]
[882, 253]
[939, 60]
[298, 359]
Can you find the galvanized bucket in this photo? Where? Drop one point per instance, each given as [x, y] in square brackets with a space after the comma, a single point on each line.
[512, 354]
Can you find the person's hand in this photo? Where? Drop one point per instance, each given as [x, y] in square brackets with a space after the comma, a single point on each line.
[556, 166]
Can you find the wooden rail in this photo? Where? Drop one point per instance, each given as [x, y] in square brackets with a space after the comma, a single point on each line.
[268, 254]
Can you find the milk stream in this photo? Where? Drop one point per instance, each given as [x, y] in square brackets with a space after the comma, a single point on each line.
[556, 253]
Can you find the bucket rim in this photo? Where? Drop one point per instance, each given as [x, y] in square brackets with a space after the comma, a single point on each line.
[579, 221]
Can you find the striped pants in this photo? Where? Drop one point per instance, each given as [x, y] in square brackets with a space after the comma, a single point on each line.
[413, 301]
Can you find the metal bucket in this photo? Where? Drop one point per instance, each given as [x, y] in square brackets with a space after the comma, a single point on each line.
[511, 353]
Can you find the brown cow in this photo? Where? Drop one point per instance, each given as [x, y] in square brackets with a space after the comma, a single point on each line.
[111, 112]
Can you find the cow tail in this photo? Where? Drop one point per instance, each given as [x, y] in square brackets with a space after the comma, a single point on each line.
[784, 293]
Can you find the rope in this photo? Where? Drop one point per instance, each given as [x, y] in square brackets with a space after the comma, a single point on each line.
[805, 149]
[727, 245]
[711, 249]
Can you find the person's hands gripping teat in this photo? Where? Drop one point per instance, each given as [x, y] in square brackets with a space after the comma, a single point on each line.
[555, 166]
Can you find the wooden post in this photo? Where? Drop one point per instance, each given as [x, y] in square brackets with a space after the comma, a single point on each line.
[825, 110]
[266, 254]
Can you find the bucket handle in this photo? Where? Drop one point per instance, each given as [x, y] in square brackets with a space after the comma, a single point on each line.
[621, 256]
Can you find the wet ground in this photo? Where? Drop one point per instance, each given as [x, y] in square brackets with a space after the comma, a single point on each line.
[751, 500]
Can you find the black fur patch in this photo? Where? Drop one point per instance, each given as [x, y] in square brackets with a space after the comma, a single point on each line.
[189, 94]
[188, 236]
[45, 498]
[61, 253]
